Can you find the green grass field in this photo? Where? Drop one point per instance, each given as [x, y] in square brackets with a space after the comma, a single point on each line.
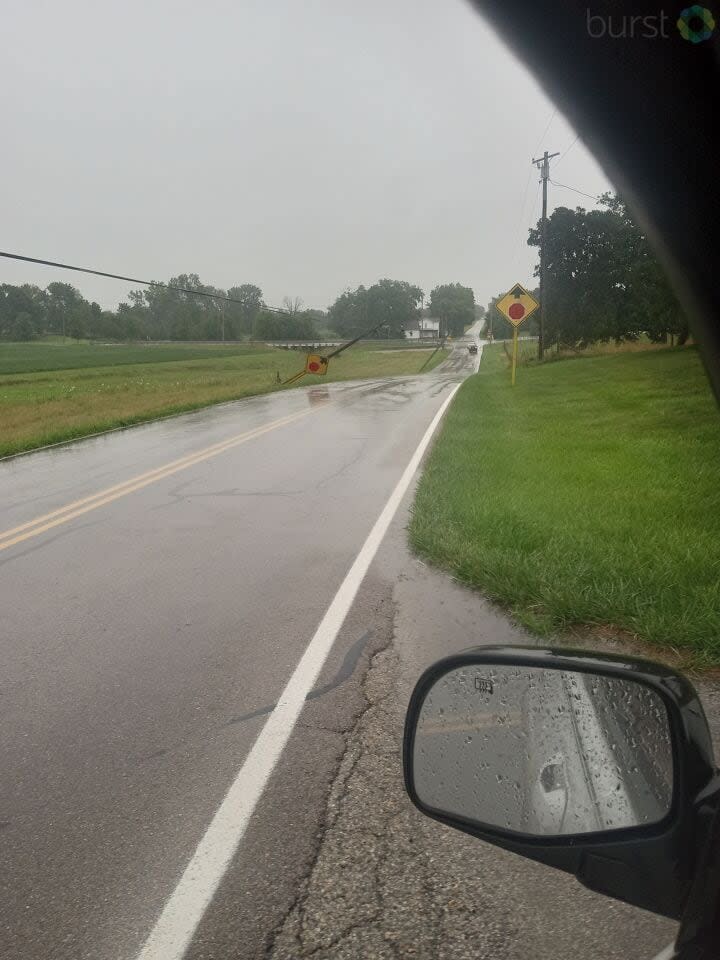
[39, 356]
[77, 389]
[587, 495]
[53, 354]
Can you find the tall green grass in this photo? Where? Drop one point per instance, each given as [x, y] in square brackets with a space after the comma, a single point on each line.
[588, 494]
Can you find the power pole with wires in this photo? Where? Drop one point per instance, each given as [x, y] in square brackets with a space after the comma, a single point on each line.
[543, 165]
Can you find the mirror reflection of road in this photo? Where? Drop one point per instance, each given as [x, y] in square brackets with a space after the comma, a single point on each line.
[547, 752]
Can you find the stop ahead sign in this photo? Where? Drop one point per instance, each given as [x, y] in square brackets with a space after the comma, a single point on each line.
[517, 305]
[316, 364]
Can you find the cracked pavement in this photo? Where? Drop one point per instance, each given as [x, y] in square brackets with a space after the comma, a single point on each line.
[375, 889]
[386, 882]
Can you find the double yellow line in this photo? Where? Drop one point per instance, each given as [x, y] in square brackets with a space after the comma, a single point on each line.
[77, 508]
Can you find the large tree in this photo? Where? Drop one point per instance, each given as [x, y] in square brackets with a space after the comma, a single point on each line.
[63, 302]
[388, 304]
[23, 311]
[348, 316]
[603, 281]
[454, 305]
[240, 317]
[393, 303]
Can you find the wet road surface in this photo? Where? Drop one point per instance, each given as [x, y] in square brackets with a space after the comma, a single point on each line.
[158, 587]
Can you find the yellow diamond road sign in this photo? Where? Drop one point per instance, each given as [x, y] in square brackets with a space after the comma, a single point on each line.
[517, 305]
[316, 364]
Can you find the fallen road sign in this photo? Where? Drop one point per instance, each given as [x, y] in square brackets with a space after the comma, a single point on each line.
[316, 364]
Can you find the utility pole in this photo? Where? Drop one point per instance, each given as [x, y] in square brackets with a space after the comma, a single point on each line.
[543, 165]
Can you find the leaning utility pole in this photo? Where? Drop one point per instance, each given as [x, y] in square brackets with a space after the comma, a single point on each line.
[543, 165]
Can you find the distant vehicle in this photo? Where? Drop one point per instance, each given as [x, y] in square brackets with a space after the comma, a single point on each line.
[472, 348]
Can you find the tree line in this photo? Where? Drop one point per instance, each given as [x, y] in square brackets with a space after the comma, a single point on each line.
[603, 282]
[162, 312]
[155, 313]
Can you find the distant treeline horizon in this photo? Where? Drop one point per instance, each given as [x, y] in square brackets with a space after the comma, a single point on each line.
[167, 313]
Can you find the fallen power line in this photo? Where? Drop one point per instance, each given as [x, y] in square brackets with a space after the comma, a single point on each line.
[118, 276]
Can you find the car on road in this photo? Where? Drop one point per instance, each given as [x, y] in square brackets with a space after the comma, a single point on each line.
[472, 349]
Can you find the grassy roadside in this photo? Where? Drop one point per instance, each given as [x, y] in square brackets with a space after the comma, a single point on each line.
[129, 385]
[586, 495]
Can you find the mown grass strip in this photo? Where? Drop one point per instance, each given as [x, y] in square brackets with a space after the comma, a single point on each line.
[587, 495]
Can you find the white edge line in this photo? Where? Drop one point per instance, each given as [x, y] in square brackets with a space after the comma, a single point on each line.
[182, 913]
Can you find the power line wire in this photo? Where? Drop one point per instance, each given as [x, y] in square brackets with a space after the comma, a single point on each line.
[518, 229]
[566, 187]
[117, 276]
[547, 129]
[533, 221]
[566, 152]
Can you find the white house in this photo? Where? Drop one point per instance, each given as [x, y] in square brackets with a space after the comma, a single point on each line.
[426, 328]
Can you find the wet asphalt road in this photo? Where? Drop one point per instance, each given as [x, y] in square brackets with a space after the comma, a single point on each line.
[157, 588]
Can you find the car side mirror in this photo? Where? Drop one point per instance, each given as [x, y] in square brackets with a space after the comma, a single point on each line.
[589, 763]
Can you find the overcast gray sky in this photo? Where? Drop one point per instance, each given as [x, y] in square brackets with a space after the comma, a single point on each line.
[306, 146]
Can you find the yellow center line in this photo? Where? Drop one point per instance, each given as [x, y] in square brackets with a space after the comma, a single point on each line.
[78, 507]
[187, 459]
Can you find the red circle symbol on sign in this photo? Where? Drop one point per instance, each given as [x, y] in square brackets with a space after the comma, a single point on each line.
[313, 366]
[516, 311]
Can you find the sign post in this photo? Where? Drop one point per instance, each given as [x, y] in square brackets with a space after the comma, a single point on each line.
[516, 306]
